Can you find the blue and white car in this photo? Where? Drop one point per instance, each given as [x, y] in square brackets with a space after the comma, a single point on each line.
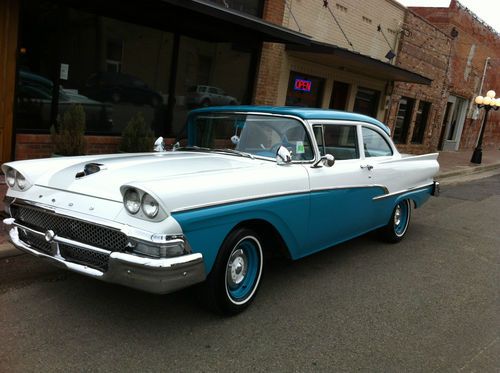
[250, 180]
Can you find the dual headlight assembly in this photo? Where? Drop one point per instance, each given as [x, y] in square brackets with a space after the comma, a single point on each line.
[16, 180]
[137, 201]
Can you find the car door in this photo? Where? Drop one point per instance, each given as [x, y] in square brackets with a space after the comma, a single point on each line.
[341, 204]
[377, 157]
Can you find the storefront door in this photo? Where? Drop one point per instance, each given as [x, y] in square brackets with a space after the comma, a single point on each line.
[454, 123]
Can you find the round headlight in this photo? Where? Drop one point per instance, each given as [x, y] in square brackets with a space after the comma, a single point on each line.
[132, 201]
[21, 181]
[149, 206]
[11, 177]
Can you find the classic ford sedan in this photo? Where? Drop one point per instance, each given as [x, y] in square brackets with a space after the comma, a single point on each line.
[249, 181]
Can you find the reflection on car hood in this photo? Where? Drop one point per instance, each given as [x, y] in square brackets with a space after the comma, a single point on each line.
[120, 169]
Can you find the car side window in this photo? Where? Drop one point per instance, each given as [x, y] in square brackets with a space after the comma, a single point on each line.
[341, 141]
[374, 144]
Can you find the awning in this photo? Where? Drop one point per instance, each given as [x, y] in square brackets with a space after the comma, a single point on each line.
[334, 56]
[195, 18]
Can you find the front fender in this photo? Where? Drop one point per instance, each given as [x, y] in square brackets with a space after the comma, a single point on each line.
[206, 228]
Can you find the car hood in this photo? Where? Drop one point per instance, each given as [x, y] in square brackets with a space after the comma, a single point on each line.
[183, 179]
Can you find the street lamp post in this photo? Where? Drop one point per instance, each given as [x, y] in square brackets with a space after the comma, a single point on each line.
[487, 103]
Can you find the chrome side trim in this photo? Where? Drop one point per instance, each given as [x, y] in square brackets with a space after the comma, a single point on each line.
[383, 187]
[268, 196]
[237, 200]
[402, 191]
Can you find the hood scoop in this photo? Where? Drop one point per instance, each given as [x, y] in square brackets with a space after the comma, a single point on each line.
[89, 169]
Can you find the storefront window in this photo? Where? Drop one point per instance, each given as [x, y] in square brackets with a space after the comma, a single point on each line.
[403, 119]
[304, 90]
[117, 69]
[210, 74]
[420, 122]
[111, 68]
[366, 101]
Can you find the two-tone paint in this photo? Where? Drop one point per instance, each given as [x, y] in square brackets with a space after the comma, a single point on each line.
[205, 195]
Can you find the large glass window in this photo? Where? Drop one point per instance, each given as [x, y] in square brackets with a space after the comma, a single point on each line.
[210, 74]
[116, 70]
[366, 101]
[405, 111]
[113, 69]
[420, 122]
[304, 90]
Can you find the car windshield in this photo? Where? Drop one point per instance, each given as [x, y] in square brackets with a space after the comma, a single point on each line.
[257, 135]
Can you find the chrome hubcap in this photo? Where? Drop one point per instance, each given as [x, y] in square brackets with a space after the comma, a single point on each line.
[397, 215]
[237, 268]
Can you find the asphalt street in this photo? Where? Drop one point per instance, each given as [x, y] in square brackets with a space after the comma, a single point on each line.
[429, 303]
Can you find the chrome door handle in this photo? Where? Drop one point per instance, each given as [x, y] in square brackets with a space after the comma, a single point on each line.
[368, 166]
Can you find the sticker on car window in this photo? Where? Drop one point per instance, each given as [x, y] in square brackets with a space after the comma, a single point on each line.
[299, 147]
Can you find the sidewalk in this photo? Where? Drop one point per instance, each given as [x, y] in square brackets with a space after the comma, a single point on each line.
[454, 167]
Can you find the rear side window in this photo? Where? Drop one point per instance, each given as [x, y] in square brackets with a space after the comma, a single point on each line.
[374, 144]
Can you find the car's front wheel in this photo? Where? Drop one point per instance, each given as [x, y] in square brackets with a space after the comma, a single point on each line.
[235, 277]
[397, 226]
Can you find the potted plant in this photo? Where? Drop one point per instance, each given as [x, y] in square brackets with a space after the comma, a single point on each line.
[137, 136]
[68, 138]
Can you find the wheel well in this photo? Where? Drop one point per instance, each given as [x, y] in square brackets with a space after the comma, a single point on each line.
[273, 243]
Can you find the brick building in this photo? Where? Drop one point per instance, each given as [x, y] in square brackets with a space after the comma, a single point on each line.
[474, 57]
[417, 111]
[170, 56]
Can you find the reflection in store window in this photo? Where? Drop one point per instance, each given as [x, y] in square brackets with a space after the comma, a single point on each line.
[118, 69]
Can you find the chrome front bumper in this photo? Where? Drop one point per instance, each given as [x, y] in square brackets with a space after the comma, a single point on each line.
[160, 276]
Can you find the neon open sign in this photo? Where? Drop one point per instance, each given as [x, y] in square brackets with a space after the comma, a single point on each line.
[302, 85]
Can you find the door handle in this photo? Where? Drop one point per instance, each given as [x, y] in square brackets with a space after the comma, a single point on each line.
[368, 166]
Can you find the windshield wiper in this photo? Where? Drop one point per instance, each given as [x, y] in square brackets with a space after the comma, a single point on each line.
[194, 148]
[225, 150]
[236, 152]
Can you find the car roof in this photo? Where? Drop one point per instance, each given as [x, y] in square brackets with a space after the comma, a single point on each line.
[300, 112]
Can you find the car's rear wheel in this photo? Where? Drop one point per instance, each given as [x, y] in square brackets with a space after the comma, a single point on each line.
[235, 277]
[397, 226]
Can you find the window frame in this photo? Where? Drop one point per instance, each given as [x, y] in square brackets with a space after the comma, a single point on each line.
[384, 137]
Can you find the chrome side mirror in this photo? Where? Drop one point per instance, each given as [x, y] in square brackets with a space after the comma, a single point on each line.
[283, 156]
[327, 160]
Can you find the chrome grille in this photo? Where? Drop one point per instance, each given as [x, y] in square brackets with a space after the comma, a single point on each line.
[73, 229]
[36, 241]
[83, 256]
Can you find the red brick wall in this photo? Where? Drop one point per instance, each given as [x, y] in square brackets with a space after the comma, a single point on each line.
[272, 54]
[29, 146]
[425, 51]
[467, 64]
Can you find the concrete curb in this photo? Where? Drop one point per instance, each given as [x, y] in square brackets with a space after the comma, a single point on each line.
[468, 170]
